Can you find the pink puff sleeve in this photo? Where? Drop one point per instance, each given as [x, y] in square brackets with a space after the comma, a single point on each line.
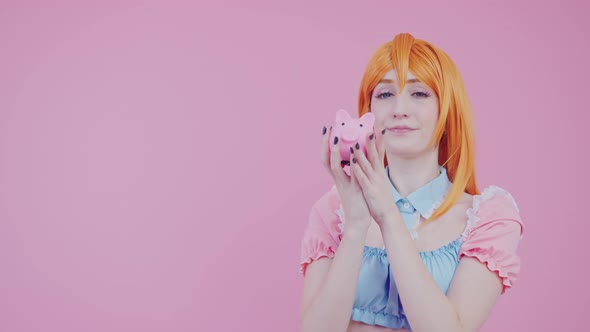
[324, 230]
[493, 233]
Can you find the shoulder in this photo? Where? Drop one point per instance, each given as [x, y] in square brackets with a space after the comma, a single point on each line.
[323, 232]
[495, 205]
[493, 233]
[326, 213]
[328, 202]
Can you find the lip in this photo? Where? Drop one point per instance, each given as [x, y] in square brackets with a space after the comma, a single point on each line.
[401, 129]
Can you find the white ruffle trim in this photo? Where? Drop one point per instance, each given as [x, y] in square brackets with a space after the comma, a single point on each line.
[435, 206]
[472, 220]
[340, 213]
[415, 223]
[488, 193]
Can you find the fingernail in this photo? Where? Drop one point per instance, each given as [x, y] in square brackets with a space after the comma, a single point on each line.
[383, 132]
[357, 146]
[351, 150]
[354, 160]
[335, 140]
[371, 136]
[324, 130]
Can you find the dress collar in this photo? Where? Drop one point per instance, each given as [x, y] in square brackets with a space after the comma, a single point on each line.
[426, 197]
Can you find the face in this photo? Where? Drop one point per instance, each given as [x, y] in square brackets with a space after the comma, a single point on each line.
[414, 110]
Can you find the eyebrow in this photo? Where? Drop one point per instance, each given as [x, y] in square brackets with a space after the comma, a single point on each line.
[386, 80]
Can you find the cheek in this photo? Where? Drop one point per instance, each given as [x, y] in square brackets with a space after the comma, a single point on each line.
[380, 124]
[428, 123]
[379, 118]
[430, 116]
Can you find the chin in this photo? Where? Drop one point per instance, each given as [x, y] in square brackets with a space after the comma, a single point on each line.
[402, 148]
[405, 151]
[403, 154]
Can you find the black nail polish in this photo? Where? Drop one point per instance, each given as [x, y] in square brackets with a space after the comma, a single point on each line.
[383, 132]
[324, 131]
[371, 136]
[335, 140]
[354, 160]
[357, 146]
[351, 150]
[344, 163]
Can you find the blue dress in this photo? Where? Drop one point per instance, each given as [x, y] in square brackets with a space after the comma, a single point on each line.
[377, 301]
[491, 235]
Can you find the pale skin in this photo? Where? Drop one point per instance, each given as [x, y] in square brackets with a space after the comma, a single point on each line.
[372, 219]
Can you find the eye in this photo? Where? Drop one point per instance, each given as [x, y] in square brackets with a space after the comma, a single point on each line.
[383, 95]
[421, 94]
[361, 124]
[343, 123]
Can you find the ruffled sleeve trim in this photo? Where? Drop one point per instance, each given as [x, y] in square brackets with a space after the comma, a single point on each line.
[492, 234]
[504, 270]
[487, 194]
[317, 251]
[324, 230]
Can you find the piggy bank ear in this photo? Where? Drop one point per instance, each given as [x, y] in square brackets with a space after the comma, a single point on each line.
[342, 115]
[368, 119]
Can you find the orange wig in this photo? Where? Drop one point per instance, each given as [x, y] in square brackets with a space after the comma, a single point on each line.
[454, 131]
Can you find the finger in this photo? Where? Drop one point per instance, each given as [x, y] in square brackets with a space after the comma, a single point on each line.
[353, 178]
[361, 160]
[360, 176]
[373, 154]
[380, 143]
[336, 160]
[325, 154]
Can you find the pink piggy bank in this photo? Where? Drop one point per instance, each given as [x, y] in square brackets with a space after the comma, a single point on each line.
[351, 130]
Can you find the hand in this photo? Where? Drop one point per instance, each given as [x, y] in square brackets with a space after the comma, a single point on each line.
[353, 202]
[372, 178]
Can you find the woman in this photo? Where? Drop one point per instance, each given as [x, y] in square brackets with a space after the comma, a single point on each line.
[404, 240]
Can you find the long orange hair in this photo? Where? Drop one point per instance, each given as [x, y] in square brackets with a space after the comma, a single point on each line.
[454, 130]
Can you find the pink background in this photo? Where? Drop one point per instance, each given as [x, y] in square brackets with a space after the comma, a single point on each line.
[158, 161]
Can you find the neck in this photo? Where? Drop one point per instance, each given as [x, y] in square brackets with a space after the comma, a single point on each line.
[407, 175]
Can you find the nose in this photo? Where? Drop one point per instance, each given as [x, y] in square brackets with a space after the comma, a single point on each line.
[400, 112]
[399, 108]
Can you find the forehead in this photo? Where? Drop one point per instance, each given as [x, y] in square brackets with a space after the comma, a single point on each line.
[392, 75]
